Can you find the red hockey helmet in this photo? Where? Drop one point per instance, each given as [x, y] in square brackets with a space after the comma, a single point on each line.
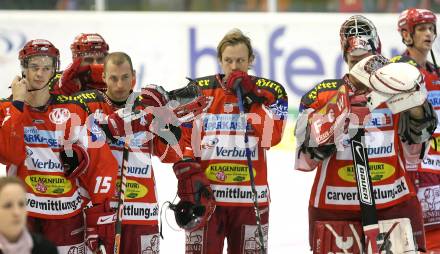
[88, 43]
[408, 19]
[358, 36]
[39, 47]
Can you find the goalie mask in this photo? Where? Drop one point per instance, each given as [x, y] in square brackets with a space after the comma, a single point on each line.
[358, 36]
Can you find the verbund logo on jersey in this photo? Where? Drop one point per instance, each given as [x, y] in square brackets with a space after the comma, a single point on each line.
[50, 164]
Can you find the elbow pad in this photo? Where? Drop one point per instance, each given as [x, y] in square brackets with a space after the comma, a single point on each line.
[417, 131]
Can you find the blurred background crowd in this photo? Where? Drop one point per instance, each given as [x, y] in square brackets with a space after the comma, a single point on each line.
[378, 6]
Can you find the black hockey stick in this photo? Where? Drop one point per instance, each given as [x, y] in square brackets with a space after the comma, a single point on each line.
[251, 172]
[435, 63]
[370, 224]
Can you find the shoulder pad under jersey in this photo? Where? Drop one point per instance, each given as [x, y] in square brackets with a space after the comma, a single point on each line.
[272, 86]
[54, 80]
[208, 82]
[324, 86]
[404, 59]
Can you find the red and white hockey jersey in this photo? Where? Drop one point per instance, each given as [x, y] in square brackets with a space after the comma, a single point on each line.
[218, 140]
[50, 194]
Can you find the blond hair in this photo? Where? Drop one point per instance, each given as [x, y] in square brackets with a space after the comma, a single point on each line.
[232, 38]
[6, 180]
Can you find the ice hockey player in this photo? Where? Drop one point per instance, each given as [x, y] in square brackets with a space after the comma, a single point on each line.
[418, 28]
[221, 151]
[63, 167]
[334, 210]
[85, 72]
[119, 111]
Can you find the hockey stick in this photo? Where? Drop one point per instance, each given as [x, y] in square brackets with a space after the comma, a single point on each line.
[251, 172]
[370, 224]
[120, 211]
[435, 63]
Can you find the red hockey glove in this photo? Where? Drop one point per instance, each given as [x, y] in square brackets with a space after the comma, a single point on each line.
[197, 202]
[123, 122]
[153, 95]
[90, 77]
[250, 91]
[100, 228]
[240, 78]
[69, 82]
[75, 160]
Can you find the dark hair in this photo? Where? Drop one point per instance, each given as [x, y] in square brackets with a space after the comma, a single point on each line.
[232, 38]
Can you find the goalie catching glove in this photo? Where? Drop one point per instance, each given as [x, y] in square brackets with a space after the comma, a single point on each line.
[399, 85]
[197, 202]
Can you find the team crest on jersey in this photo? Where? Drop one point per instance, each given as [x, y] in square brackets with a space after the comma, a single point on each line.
[59, 115]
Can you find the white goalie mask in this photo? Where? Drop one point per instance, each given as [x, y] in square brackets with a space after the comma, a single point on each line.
[358, 35]
[400, 85]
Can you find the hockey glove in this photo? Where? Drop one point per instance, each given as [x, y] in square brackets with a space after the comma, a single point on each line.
[69, 82]
[75, 160]
[251, 92]
[197, 202]
[125, 122]
[90, 77]
[153, 95]
[417, 131]
[100, 228]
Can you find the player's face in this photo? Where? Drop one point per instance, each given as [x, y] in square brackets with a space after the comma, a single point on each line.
[92, 58]
[39, 71]
[424, 36]
[12, 211]
[235, 57]
[119, 80]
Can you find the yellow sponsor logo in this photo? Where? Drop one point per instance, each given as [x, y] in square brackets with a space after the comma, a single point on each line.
[80, 97]
[397, 59]
[267, 83]
[433, 142]
[325, 85]
[378, 171]
[133, 189]
[203, 82]
[228, 173]
[50, 185]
